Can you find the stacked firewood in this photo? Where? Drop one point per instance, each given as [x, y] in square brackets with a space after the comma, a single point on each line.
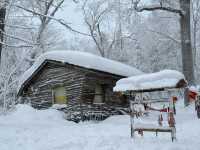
[94, 112]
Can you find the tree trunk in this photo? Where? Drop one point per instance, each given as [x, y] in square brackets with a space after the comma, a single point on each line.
[186, 96]
[2, 25]
[187, 56]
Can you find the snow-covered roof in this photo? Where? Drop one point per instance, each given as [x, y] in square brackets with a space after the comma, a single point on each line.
[158, 80]
[82, 59]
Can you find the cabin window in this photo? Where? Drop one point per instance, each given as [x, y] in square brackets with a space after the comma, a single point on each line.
[59, 94]
[99, 94]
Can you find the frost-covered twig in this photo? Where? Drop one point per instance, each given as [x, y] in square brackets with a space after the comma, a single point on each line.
[17, 38]
[61, 21]
[9, 81]
[16, 46]
[19, 26]
[166, 36]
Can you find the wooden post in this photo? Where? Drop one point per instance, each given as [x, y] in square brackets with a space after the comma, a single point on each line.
[132, 98]
[186, 44]
[186, 96]
[173, 134]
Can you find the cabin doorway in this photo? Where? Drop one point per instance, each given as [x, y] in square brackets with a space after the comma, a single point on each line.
[99, 94]
[60, 95]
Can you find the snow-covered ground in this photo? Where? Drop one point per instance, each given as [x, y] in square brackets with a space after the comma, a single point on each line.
[28, 129]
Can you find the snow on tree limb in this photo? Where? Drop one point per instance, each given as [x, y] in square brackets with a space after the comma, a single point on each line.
[17, 38]
[18, 26]
[61, 21]
[154, 7]
[16, 46]
[166, 36]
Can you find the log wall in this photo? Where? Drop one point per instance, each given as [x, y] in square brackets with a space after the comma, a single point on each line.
[107, 81]
[80, 86]
[39, 90]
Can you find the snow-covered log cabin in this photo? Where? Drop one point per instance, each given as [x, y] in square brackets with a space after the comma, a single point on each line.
[81, 81]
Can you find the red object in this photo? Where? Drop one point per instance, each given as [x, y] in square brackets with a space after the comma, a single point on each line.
[175, 99]
[192, 96]
[160, 110]
[164, 110]
[171, 120]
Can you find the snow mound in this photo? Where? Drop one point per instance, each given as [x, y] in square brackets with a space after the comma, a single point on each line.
[39, 131]
[162, 79]
[82, 59]
[25, 113]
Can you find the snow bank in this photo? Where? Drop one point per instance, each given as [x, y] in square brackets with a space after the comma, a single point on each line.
[165, 78]
[47, 130]
[27, 114]
[82, 59]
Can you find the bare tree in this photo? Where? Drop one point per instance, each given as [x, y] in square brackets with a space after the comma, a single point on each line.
[45, 8]
[94, 16]
[195, 23]
[2, 24]
[184, 13]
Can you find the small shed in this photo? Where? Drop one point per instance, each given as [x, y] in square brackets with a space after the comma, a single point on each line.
[80, 82]
[163, 81]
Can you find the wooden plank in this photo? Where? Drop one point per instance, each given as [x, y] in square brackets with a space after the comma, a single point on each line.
[153, 129]
[150, 101]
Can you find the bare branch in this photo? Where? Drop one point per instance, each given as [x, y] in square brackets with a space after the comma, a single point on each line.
[61, 21]
[166, 36]
[16, 46]
[18, 26]
[17, 38]
[56, 9]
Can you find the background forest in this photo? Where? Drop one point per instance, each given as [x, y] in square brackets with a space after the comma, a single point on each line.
[149, 41]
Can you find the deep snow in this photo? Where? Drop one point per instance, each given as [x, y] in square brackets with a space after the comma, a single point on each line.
[28, 129]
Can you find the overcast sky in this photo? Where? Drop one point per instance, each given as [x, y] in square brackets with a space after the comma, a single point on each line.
[72, 14]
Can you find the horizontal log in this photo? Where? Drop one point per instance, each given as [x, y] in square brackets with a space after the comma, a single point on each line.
[154, 129]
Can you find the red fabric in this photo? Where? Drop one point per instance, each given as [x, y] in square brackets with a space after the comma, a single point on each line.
[175, 99]
[171, 120]
[164, 110]
[192, 95]
[161, 110]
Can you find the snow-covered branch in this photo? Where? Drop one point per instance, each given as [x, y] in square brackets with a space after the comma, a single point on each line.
[16, 46]
[17, 38]
[154, 7]
[166, 36]
[19, 27]
[94, 17]
[61, 21]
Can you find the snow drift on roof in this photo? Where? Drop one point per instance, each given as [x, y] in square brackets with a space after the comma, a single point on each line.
[162, 79]
[82, 59]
